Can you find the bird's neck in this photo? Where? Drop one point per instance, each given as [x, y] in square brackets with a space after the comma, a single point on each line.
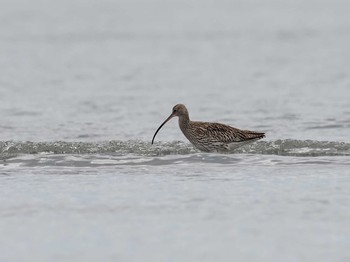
[184, 121]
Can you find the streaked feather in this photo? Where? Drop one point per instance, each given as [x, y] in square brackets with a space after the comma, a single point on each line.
[215, 136]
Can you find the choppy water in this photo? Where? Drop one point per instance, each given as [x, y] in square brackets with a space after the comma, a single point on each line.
[84, 85]
[10, 149]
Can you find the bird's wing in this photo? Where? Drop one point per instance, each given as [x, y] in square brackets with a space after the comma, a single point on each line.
[217, 132]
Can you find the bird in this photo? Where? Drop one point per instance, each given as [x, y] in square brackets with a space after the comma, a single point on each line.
[210, 137]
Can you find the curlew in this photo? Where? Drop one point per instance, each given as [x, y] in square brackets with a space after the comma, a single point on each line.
[210, 137]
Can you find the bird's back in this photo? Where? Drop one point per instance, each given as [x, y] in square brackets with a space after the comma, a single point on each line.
[215, 136]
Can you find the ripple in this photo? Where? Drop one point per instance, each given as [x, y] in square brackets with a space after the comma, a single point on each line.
[287, 147]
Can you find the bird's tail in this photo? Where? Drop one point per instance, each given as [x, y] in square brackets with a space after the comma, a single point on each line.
[253, 135]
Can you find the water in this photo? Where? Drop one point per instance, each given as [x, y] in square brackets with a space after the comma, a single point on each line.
[85, 84]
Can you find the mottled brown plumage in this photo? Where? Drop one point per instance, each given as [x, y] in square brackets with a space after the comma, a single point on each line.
[210, 136]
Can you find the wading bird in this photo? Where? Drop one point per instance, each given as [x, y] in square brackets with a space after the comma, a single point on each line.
[210, 137]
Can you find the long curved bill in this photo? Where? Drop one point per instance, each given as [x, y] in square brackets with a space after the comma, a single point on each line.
[166, 120]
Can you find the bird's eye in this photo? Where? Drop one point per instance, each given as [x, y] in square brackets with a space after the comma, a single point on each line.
[175, 110]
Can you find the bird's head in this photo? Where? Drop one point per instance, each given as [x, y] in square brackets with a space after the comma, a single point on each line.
[178, 110]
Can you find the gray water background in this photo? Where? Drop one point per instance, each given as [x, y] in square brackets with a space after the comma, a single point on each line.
[84, 85]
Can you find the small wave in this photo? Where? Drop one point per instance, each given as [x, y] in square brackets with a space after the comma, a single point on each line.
[286, 147]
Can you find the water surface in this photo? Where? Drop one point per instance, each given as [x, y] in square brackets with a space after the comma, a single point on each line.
[85, 84]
